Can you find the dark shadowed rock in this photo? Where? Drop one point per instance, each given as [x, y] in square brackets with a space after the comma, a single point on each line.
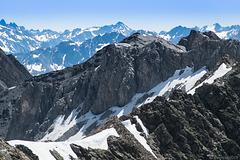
[195, 38]
[56, 155]
[8, 152]
[27, 151]
[207, 49]
[12, 72]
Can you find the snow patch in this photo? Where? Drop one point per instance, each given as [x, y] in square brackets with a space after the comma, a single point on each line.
[92, 29]
[185, 81]
[78, 43]
[141, 139]
[63, 61]
[166, 37]
[145, 130]
[223, 34]
[11, 87]
[221, 71]
[211, 28]
[122, 44]
[41, 149]
[35, 67]
[101, 46]
[98, 140]
[36, 56]
[97, 68]
[72, 44]
[55, 66]
[5, 48]
[60, 126]
[42, 38]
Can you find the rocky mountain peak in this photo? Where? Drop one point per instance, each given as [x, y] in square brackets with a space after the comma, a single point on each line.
[14, 25]
[217, 26]
[120, 23]
[211, 35]
[3, 22]
[141, 40]
[196, 37]
[11, 24]
[11, 71]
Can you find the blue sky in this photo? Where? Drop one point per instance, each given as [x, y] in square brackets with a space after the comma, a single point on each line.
[154, 15]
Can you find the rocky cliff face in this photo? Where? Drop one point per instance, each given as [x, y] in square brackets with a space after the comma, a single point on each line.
[207, 49]
[202, 126]
[110, 78]
[11, 71]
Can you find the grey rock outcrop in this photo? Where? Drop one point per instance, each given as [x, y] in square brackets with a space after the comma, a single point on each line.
[12, 72]
[207, 49]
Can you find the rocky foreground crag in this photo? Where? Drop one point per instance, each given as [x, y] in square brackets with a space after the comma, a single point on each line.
[200, 126]
[110, 78]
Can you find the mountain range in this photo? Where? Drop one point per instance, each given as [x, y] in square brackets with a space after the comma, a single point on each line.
[141, 98]
[17, 39]
[65, 54]
[44, 51]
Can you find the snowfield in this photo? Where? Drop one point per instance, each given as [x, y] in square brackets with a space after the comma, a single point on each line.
[42, 149]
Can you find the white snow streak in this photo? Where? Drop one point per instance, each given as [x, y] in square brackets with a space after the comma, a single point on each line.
[60, 126]
[36, 56]
[221, 71]
[145, 130]
[141, 139]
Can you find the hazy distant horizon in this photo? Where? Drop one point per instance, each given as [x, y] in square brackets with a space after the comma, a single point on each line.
[148, 15]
